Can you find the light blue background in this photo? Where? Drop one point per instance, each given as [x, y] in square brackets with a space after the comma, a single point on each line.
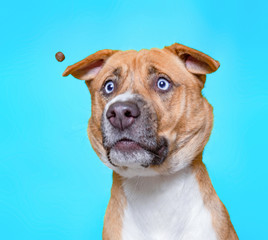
[52, 185]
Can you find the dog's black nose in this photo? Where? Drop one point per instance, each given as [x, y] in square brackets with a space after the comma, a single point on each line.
[122, 114]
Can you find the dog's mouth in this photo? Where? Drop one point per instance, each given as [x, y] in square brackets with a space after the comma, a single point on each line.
[128, 146]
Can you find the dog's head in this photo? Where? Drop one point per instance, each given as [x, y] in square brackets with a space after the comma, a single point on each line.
[148, 114]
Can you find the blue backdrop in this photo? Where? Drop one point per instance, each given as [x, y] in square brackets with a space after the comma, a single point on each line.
[52, 185]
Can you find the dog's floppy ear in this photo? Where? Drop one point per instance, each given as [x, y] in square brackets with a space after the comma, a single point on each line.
[195, 62]
[89, 67]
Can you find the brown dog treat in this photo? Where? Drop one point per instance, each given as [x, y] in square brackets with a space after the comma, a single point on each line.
[60, 56]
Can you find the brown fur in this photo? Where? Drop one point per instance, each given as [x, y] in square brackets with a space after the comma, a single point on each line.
[184, 116]
[114, 212]
[220, 217]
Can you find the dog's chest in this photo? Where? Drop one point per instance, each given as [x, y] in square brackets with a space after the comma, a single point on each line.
[169, 207]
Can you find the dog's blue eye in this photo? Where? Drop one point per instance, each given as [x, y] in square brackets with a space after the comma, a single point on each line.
[163, 84]
[109, 87]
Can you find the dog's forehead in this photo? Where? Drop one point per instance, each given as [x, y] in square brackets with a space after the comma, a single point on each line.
[137, 60]
[134, 68]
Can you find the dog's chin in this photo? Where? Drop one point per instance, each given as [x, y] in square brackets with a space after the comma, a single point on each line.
[127, 153]
[130, 158]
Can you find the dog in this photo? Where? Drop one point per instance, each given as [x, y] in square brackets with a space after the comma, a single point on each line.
[150, 124]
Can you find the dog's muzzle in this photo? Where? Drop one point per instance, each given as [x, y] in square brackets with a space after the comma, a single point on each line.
[129, 134]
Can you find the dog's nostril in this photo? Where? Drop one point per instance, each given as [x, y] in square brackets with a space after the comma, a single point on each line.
[128, 113]
[113, 114]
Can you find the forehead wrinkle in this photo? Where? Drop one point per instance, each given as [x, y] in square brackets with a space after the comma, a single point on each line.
[140, 76]
[120, 59]
[117, 71]
[125, 83]
[110, 66]
[141, 62]
[129, 73]
[152, 70]
[131, 76]
[132, 69]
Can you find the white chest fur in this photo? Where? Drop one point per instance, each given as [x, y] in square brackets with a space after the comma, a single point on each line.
[166, 208]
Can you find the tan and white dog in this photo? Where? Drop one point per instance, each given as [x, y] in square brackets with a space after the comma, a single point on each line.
[150, 124]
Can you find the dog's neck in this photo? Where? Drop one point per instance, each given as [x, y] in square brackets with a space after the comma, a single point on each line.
[165, 207]
[183, 205]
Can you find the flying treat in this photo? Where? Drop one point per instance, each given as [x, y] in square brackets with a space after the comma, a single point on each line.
[60, 56]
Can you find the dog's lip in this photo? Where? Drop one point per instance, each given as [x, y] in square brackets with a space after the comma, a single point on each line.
[126, 144]
[160, 153]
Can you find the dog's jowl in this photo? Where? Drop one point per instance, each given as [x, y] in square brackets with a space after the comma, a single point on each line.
[150, 124]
